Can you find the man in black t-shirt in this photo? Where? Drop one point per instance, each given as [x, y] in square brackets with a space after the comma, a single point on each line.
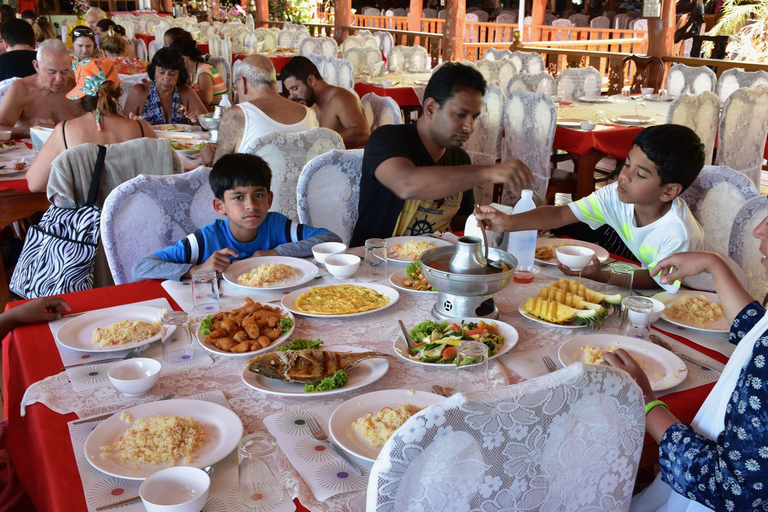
[19, 41]
[416, 179]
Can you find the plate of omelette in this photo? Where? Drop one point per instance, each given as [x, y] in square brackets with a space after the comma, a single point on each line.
[340, 300]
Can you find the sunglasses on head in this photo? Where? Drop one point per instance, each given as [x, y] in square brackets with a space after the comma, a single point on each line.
[83, 31]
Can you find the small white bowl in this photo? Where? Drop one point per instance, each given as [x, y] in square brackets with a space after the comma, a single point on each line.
[322, 251]
[176, 489]
[557, 98]
[646, 91]
[5, 135]
[135, 377]
[342, 266]
[574, 257]
[588, 126]
[658, 306]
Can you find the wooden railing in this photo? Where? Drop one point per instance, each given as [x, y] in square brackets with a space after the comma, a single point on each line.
[628, 45]
[717, 65]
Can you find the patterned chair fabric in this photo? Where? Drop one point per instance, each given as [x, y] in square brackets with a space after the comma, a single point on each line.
[639, 24]
[319, 45]
[386, 42]
[579, 20]
[494, 54]
[359, 41]
[743, 131]
[600, 22]
[362, 58]
[471, 17]
[139, 48]
[692, 80]
[528, 62]
[744, 249]
[736, 78]
[408, 58]
[484, 145]
[380, 110]
[328, 191]
[291, 38]
[287, 154]
[338, 72]
[700, 113]
[538, 82]
[497, 72]
[268, 36]
[621, 21]
[536, 445]
[429, 13]
[573, 83]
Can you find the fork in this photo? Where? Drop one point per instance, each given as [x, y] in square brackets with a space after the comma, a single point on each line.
[130, 355]
[549, 363]
[319, 434]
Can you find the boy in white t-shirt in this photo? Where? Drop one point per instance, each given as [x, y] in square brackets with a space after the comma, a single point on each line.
[642, 206]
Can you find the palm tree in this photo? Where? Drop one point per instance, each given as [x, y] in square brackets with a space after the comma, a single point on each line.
[748, 42]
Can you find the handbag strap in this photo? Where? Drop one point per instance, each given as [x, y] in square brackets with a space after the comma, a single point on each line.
[96, 178]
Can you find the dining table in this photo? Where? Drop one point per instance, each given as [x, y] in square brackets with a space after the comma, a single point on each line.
[41, 400]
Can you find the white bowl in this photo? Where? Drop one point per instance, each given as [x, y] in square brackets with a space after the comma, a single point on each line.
[658, 306]
[135, 377]
[386, 83]
[342, 266]
[588, 126]
[557, 98]
[646, 91]
[176, 489]
[574, 257]
[5, 135]
[322, 251]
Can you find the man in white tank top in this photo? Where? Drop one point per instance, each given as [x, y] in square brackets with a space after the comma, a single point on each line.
[261, 110]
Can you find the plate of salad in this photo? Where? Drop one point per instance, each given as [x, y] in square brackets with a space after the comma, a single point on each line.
[411, 279]
[287, 324]
[362, 374]
[436, 342]
[187, 146]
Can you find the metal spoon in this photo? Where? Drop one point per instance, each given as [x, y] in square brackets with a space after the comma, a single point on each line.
[408, 340]
[488, 262]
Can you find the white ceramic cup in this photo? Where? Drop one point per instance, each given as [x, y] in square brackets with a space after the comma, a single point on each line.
[176, 489]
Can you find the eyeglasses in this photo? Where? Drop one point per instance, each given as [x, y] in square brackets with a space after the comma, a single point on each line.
[83, 31]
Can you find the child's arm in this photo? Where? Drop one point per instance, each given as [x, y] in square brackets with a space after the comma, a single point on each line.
[544, 217]
[641, 278]
[303, 248]
[44, 309]
[154, 267]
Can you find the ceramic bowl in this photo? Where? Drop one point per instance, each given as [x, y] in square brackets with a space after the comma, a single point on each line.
[557, 98]
[646, 91]
[342, 266]
[658, 307]
[574, 256]
[136, 376]
[322, 251]
[176, 489]
[5, 135]
[588, 126]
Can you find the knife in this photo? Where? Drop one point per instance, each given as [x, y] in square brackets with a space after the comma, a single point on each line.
[658, 341]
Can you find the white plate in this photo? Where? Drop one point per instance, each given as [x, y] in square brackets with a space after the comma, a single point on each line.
[602, 254]
[664, 369]
[570, 122]
[526, 314]
[342, 419]
[76, 334]
[279, 341]
[633, 120]
[506, 331]
[721, 325]
[188, 151]
[403, 239]
[305, 272]
[10, 170]
[594, 99]
[397, 281]
[9, 148]
[289, 301]
[657, 98]
[223, 429]
[421, 82]
[363, 373]
[171, 127]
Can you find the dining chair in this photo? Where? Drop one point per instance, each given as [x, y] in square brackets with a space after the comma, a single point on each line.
[528, 62]
[484, 145]
[328, 191]
[579, 20]
[736, 78]
[386, 42]
[287, 154]
[521, 447]
[140, 49]
[744, 248]
[5, 84]
[743, 131]
[362, 58]
[429, 13]
[599, 22]
[398, 12]
[573, 83]
[621, 21]
[380, 110]
[700, 113]
[359, 41]
[482, 16]
[268, 36]
[153, 47]
[497, 72]
[692, 80]
[496, 54]
[291, 38]
[532, 82]
[441, 14]
[640, 73]
[408, 58]
[319, 45]
[338, 72]
[224, 69]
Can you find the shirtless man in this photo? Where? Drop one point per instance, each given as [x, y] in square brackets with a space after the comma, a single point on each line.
[336, 107]
[41, 98]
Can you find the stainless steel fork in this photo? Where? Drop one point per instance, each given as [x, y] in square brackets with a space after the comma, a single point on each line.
[318, 433]
[549, 363]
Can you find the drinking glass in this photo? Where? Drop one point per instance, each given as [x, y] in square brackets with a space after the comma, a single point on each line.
[636, 318]
[473, 356]
[178, 347]
[621, 277]
[640, 108]
[663, 94]
[625, 91]
[205, 292]
[258, 472]
[601, 117]
[376, 257]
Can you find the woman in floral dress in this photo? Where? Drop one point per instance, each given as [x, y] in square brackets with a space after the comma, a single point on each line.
[114, 47]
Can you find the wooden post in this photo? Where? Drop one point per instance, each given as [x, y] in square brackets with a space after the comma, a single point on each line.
[414, 18]
[342, 17]
[453, 40]
[262, 13]
[537, 18]
[661, 38]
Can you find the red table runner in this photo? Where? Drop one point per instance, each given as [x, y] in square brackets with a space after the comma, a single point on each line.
[404, 96]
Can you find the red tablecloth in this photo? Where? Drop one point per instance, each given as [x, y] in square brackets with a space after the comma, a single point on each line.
[615, 142]
[148, 38]
[20, 184]
[404, 96]
[279, 61]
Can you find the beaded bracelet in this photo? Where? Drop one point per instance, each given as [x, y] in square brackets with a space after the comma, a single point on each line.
[651, 405]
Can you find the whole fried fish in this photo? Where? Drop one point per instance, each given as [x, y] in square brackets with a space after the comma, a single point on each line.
[306, 366]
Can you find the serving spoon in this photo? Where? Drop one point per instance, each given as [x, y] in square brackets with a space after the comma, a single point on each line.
[408, 340]
[488, 263]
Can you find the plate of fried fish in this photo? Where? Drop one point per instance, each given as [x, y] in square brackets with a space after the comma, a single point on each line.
[284, 373]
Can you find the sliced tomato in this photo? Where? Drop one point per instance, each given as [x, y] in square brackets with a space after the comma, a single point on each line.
[420, 344]
[476, 330]
[449, 352]
[454, 328]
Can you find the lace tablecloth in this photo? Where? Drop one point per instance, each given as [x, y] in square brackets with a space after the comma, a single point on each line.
[376, 331]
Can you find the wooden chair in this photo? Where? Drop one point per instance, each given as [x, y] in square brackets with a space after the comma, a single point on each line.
[718, 52]
[641, 76]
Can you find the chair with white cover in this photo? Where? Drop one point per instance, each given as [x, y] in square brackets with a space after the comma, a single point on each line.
[224, 69]
[700, 113]
[538, 82]
[506, 19]
[154, 46]
[364, 33]
[579, 20]
[639, 24]
[536, 445]
[482, 16]
[291, 38]
[359, 41]
[380, 110]
[386, 42]
[621, 21]
[743, 130]
[441, 14]
[529, 123]
[371, 11]
[362, 58]
[715, 198]
[495, 54]
[736, 78]
[744, 248]
[139, 48]
[497, 72]
[471, 17]
[5, 84]
[408, 58]
[328, 191]
[267, 36]
[287, 154]
[429, 13]
[127, 82]
[692, 80]
[319, 45]
[600, 22]
[573, 83]
[148, 213]
[563, 23]
[338, 72]
[484, 145]
[528, 62]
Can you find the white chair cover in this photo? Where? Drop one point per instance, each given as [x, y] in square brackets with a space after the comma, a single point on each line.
[715, 198]
[127, 82]
[371, 11]
[563, 23]
[154, 46]
[328, 191]
[222, 66]
[529, 131]
[471, 17]
[573, 83]
[506, 19]
[5, 84]
[287, 154]
[268, 37]
[140, 49]
[744, 249]
[249, 22]
[408, 58]
[599, 22]
[528, 62]
[441, 14]
[569, 440]
[380, 110]
[65, 29]
[160, 30]
[362, 58]
[482, 16]
[700, 113]
[692, 80]
[319, 45]
[429, 13]
[579, 20]
[639, 24]
[538, 82]
[484, 145]
[621, 21]
[736, 78]
[386, 42]
[149, 213]
[338, 72]
[743, 131]
[496, 54]
[359, 41]
[291, 38]
[497, 72]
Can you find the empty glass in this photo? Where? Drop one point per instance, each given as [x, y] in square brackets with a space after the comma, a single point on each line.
[258, 472]
[376, 257]
[178, 347]
[601, 116]
[640, 108]
[621, 277]
[625, 91]
[663, 94]
[473, 356]
[636, 317]
[205, 292]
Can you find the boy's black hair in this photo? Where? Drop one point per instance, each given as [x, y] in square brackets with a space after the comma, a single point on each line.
[450, 78]
[299, 68]
[675, 149]
[6, 13]
[18, 31]
[168, 58]
[29, 14]
[239, 170]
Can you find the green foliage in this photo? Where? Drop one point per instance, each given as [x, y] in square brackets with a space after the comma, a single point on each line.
[292, 10]
[748, 43]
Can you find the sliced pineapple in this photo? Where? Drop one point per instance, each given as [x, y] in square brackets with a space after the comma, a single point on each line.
[576, 288]
[558, 313]
[569, 299]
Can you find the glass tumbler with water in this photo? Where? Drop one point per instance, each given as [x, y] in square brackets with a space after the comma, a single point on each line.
[205, 292]
[178, 347]
[258, 472]
[376, 257]
[636, 317]
[472, 356]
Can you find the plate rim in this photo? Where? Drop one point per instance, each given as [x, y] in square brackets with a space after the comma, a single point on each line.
[311, 273]
[116, 348]
[410, 290]
[689, 292]
[188, 151]
[279, 341]
[526, 314]
[617, 120]
[582, 243]
[570, 122]
[439, 241]
[391, 292]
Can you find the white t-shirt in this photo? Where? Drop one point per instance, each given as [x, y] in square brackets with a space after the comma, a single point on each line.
[257, 123]
[677, 231]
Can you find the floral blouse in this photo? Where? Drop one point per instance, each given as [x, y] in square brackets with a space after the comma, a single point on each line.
[153, 109]
[727, 474]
